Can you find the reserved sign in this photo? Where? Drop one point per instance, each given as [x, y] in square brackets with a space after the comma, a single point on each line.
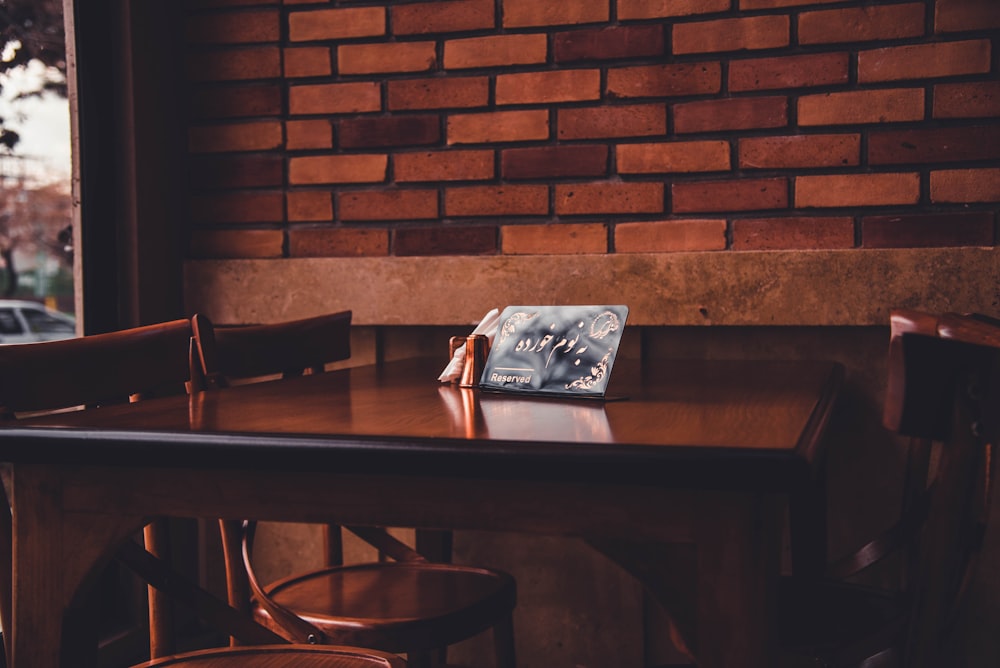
[564, 350]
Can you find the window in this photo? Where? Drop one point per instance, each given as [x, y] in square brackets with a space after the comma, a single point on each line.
[40, 322]
[9, 323]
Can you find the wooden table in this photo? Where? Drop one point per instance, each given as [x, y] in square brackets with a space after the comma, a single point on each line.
[694, 453]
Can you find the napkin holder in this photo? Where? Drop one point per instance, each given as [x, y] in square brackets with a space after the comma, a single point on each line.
[477, 349]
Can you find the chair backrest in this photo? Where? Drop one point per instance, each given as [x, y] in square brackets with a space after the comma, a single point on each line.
[288, 348]
[90, 371]
[97, 369]
[944, 385]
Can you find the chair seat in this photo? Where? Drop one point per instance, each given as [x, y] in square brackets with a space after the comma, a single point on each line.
[418, 605]
[840, 623]
[280, 656]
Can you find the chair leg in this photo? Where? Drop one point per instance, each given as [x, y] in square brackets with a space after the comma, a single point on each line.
[161, 622]
[503, 643]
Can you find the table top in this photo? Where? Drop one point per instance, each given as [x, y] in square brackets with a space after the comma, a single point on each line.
[731, 423]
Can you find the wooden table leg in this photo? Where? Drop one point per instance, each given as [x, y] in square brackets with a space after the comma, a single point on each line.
[720, 603]
[39, 591]
[739, 548]
[808, 528]
[54, 555]
[666, 571]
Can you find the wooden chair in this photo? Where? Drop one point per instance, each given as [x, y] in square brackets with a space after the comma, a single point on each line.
[408, 605]
[87, 372]
[121, 366]
[943, 388]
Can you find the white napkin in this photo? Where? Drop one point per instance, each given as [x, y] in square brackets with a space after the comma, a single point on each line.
[488, 326]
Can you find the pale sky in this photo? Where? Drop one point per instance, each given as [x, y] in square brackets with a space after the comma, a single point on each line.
[42, 123]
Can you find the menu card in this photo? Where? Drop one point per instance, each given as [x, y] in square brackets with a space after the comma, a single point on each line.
[562, 350]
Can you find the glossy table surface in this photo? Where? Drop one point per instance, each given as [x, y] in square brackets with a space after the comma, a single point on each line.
[681, 450]
[676, 416]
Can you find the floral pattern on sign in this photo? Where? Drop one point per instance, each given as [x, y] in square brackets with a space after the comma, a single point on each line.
[597, 373]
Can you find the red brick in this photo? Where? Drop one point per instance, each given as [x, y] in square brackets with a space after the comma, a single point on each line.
[960, 15]
[308, 134]
[441, 17]
[334, 24]
[205, 4]
[551, 86]
[254, 206]
[757, 32]
[554, 239]
[310, 170]
[551, 162]
[669, 236]
[634, 120]
[654, 9]
[890, 105]
[924, 61]
[366, 132]
[609, 197]
[732, 195]
[792, 233]
[740, 113]
[857, 190]
[966, 185]
[495, 50]
[237, 171]
[438, 92]
[308, 61]
[263, 62]
[934, 145]
[678, 156]
[251, 136]
[469, 165]
[861, 24]
[798, 151]
[337, 242]
[387, 57]
[608, 43]
[309, 205]
[774, 4]
[526, 13]
[236, 243]
[231, 102]
[235, 27]
[967, 100]
[497, 201]
[445, 241]
[821, 69]
[498, 126]
[664, 80]
[387, 205]
[335, 98]
[927, 230]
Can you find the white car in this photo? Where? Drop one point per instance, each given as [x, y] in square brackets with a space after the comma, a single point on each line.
[23, 321]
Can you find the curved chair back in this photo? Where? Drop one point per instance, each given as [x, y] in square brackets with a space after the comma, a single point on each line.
[97, 369]
[288, 348]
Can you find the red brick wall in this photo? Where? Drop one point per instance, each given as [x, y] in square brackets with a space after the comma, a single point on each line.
[391, 127]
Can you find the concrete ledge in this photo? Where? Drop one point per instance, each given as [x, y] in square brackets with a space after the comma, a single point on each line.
[846, 287]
